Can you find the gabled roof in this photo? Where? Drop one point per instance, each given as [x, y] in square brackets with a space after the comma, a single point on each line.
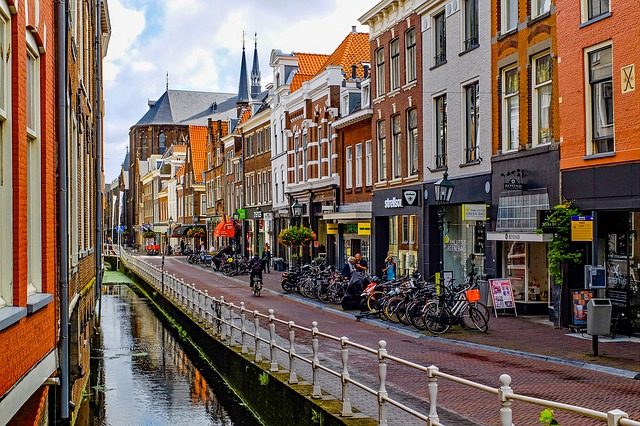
[190, 108]
[353, 50]
[308, 65]
[198, 142]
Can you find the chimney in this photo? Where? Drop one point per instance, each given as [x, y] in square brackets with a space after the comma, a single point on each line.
[354, 67]
[353, 29]
[366, 70]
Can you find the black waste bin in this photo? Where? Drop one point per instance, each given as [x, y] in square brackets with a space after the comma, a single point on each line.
[278, 264]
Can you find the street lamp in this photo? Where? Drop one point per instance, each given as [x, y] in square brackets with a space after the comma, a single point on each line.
[236, 217]
[296, 210]
[443, 192]
[164, 250]
[256, 230]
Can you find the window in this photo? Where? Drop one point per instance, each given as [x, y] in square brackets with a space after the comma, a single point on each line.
[471, 24]
[396, 156]
[596, 8]
[540, 7]
[440, 39]
[412, 141]
[472, 118]
[267, 139]
[203, 204]
[405, 229]
[412, 229]
[382, 151]
[394, 51]
[348, 175]
[410, 55]
[380, 72]
[6, 184]
[541, 83]
[368, 164]
[359, 165]
[393, 230]
[509, 17]
[441, 130]
[510, 109]
[162, 143]
[601, 100]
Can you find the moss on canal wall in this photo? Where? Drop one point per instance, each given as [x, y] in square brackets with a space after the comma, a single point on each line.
[267, 394]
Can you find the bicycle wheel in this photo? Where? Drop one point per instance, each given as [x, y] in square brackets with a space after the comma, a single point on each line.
[374, 299]
[391, 308]
[401, 312]
[323, 293]
[433, 318]
[307, 288]
[257, 287]
[473, 318]
[336, 293]
[415, 314]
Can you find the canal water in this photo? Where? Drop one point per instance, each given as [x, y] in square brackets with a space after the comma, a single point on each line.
[142, 376]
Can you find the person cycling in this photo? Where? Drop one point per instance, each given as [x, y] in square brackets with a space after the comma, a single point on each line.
[255, 265]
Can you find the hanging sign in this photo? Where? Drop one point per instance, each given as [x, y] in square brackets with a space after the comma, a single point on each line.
[332, 228]
[581, 228]
[364, 228]
[474, 212]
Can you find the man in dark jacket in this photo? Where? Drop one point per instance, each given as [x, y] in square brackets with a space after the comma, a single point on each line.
[256, 267]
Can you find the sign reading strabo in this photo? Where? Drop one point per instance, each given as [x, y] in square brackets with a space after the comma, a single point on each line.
[393, 203]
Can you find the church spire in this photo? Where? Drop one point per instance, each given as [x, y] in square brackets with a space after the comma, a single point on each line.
[255, 71]
[243, 87]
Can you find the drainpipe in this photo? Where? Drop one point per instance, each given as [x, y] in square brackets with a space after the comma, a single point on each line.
[99, 166]
[63, 202]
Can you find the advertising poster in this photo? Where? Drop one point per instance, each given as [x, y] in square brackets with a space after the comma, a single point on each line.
[580, 299]
[501, 294]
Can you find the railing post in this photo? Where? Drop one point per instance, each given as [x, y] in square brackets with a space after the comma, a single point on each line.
[207, 310]
[316, 392]
[243, 329]
[382, 391]
[346, 402]
[504, 393]
[230, 311]
[256, 335]
[433, 395]
[293, 377]
[223, 329]
[272, 341]
[614, 416]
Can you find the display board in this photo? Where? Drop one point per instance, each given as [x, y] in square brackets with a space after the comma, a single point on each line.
[580, 298]
[502, 295]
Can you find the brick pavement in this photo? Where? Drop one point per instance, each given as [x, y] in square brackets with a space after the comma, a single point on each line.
[542, 361]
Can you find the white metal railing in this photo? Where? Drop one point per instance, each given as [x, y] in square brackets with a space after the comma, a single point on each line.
[229, 323]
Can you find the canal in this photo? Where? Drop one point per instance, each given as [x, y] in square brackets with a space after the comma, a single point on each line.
[141, 375]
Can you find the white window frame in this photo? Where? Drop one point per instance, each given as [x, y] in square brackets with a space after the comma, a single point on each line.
[541, 135]
[394, 63]
[410, 59]
[471, 24]
[379, 55]
[540, 7]
[34, 170]
[440, 127]
[593, 144]
[585, 9]
[358, 174]
[368, 161]
[6, 163]
[382, 150]
[203, 204]
[439, 38]
[412, 142]
[405, 229]
[396, 146]
[348, 166]
[472, 122]
[510, 133]
[507, 13]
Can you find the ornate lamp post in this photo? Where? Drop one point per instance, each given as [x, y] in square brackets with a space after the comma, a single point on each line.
[164, 250]
[296, 210]
[443, 192]
[236, 217]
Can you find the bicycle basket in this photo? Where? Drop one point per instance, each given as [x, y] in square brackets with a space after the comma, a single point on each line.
[473, 295]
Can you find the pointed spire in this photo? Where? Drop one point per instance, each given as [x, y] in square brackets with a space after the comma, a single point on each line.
[255, 71]
[167, 80]
[243, 87]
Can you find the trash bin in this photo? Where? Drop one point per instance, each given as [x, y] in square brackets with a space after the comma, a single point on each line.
[599, 316]
[278, 264]
[483, 287]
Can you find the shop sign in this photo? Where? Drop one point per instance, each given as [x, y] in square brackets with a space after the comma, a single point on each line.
[242, 214]
[411, 198]
[257, 214]
[581, 228]
[513, 184]
[332, 228]
[502, 294]
[478, 246]
[327, 209]
[364, 228]
[474, 212]
[393, 203]
[268, 216]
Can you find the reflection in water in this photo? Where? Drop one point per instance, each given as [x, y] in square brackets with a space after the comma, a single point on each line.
[141, 375]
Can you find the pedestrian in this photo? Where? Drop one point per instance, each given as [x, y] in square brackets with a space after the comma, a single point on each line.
[255, 265]
[361, 264]
[266, 258]
[389, 269]
[182, 246]
[110, 245]
[349, 267]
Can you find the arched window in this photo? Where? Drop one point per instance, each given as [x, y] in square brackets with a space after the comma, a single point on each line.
[162, 143]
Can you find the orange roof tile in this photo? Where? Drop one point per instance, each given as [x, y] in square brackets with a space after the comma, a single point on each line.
[309, 64]
[179, 149]
[353, 50]
[244, 116]
[180, 171]
[198, 139]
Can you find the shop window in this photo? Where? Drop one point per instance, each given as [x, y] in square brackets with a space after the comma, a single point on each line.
[519, 212]
[600, 98]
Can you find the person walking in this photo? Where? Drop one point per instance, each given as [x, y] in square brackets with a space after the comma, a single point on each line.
[266, 259]
[349, 268]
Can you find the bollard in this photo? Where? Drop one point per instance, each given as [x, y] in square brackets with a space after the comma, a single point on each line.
[293, 377]
[505, 391]
[344, 376]
[382, 391]
[272, 341]
[315, 392]
[256, 331]
[433, 395]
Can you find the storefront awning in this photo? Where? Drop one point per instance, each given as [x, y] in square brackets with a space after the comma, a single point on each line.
[519, 236]
[179, 231]
[347, 216]
[225, 229]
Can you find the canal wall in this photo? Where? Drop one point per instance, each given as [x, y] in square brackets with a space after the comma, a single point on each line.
[267, 394]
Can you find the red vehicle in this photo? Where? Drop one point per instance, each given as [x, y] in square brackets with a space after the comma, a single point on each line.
[152, 248]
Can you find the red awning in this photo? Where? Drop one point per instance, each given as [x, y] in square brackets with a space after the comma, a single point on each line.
[225, 229]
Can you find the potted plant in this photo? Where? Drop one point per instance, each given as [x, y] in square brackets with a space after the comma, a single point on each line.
[195, 233]
[149, 234]
[296, 237]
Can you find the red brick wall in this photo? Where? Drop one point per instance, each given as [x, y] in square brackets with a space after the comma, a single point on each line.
[622, 28]
[359, 132]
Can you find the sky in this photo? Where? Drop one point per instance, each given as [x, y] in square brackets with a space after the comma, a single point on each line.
[198, 43]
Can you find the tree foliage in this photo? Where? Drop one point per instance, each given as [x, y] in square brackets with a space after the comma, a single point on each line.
[296, 236]
[149, 234]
